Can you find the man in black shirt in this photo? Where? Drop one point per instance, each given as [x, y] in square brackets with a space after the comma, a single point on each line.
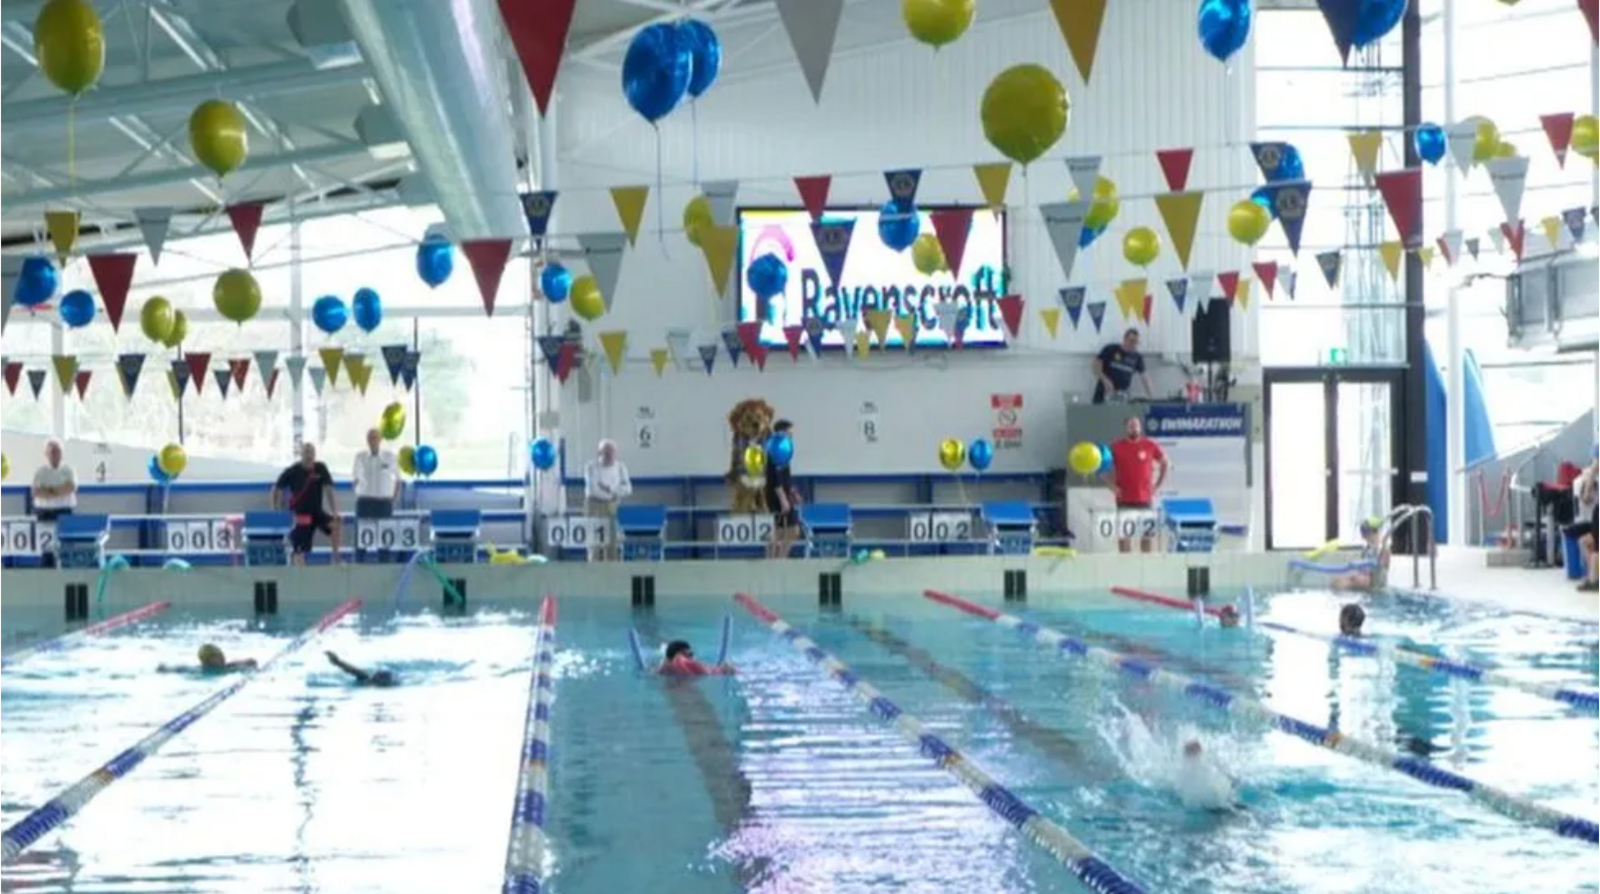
[782, 499]
[1115, 365]
[312, 500]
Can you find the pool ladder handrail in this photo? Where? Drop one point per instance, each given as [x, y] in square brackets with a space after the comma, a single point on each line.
[1409, 514]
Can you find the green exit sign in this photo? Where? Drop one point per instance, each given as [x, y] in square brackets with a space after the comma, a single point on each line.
[1337, 357]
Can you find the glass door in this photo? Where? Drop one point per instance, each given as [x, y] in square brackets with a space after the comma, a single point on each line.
[1366, 461]
[1297, 465]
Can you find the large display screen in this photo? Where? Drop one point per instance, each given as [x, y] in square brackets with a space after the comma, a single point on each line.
[874, 276]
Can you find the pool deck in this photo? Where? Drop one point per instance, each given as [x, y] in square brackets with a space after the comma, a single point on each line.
[1465, 574]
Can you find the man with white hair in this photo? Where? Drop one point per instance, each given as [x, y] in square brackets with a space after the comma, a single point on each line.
[605, 483]
[55, 490]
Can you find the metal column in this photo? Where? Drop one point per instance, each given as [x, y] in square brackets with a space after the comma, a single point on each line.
[1413, 473]
[1455, 353]
[297, 330]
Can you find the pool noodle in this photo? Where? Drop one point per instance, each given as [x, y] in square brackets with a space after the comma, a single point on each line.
[727, 634]
[637, 649]
[1158, 599]
[1314, 554]
[1323, 568]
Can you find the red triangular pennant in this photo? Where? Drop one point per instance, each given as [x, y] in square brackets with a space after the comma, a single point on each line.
[1514, 237]
[13, 375]
[1148, 304]
[1402, 192]
[565, 360]
[1267, 272]
[239, 367]
[198, 363]
[1444, 250]
[488, 260]
[750, 337]
[1559, 129]
[246, 217]
[113, 274]
[1230, 283]
[1591, 14]
[1011, 313]
[538, 31]
[1175, 167]
[82, 381]
[814, 193]
[951, 226]
[791, 334]
[272, 382]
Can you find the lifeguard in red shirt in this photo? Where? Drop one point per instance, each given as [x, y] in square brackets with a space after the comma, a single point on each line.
[1135, 479]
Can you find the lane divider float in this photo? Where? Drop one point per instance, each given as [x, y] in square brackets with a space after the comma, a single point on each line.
[1214, 611]
[526, 844]
[67, 639]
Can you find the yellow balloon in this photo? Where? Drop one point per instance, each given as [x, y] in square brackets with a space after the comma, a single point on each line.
[172, 460]
[70, 44]
[1141, 246]
[937, 22]
[236, 295]
[952, 454]
[1103, 209]
[155, 319]
[1586, 136]
[1487, 141]
[393, 421]
[179, 330]
[218, 136]
[755, 459]
[587, 302]
[407, 459]
[1024, 112]
[1248, 221]
[927, 255]
[1084, 458]
[5, 466]
[697, 218]
[1505, 150]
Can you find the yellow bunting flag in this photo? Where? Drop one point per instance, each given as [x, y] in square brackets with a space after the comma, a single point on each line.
[352, 366]
[1241, 296]
[863, 342]
[1052, 319]
[659, 358]
[1364, 146]
[1130, 297]
[1390, 252]
[993, 178]
[1180, 211]
[1425, 255]
[1552, 231]
[615, 344]
[63, 229]
[719, 244]
[878, 321]
[360, 375]
[330, 362]
[1080, 27]
[630, 207]
[906, 325]
[66, 369]
[172, 382]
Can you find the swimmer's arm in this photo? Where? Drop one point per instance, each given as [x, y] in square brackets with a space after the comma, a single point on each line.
[352, 670]
[246, 664]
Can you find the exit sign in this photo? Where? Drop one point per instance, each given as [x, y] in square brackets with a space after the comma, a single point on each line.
[1337, 357]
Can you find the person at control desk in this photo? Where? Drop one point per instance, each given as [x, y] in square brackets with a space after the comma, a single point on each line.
[1114, 367]
[312, 500]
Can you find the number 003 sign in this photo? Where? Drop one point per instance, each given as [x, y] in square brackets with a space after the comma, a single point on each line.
[388, 533]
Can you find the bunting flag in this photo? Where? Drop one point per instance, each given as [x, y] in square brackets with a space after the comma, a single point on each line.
[1552, 231]
[36, 381]
[246, 219]
[410, 370]
[1425, 255]
[1497, 238]
[1179, 290]
[1085, 172]
[537, 208]
[863, 343]
[1574, 219]
[1290, 278]
[394, 356]
[488, 260]
[1241, 296]
[732, 344]
[1097, 313]
[222, 380]
[14, 375]
[812, 26]
[566, 360]
[62, 227]
[603, 251]
[630, 201]
[1402, 192]
[361, 375]
[678, 344]
[719, 244]
[993, 178]
[949, 316]
[708, 357]
[179, 375]
[1011, 307]
[1591, 14]
[172, 385]
[1364, 146]
[1510, 179]
[833, 242]
[1051, 317]
[319, 379]
[1072, 299]
[1558, 129]
[1391, 253]
[1080, 22]
[1175, 167]
[332, 359]
[1229, 280]
[271, 381]
[951, 226]
[66, 368]
[815, 330]
[353, 364]
[1462, 137]
[1450, 246]
[1514, 237]
[720, 195]
[1267, 273]
[538, 32]
[658, 360]
[906, 326]
[792, 336]
[1130, 297]
[878, 321]
[550, 347]
[903, 185]
[1472, 247]
[1064, 222]
[1200, 289]
[1180, 211]
[238, 369]
[198, 363]
[296, 365]
[813, 192]
[1290, 200]
[113, 274]
[749, 333]
[82, 381]
[266, 362]
[154, 224]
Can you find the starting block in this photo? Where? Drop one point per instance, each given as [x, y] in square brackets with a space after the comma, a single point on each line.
[1011, 528]
[266, 536]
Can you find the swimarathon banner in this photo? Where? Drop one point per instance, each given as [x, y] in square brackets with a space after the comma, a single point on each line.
[1208, 451]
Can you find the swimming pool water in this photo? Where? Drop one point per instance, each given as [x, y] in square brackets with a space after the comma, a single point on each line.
[777, 780]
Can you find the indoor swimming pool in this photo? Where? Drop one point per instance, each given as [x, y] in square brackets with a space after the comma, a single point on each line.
[778, 779]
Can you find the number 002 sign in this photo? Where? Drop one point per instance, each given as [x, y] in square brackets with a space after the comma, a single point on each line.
[743, 530]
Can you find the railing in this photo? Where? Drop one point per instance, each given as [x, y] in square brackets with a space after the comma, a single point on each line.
[1408, 514]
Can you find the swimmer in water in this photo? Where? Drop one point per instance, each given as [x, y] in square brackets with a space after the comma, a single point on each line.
[1201, 783]
[1351, 617]
[382, 678]
[213, 661]
[680, 662]
[1227, 616]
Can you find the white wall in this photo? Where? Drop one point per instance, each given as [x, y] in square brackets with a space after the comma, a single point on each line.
[894, 104]
[123, 464]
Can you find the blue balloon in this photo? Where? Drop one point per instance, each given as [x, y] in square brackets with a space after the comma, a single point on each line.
[1431, 142]
[36, 282]
[655, 72]
[544, 454]
[898, 228]
[1224, 26]
[980, 453]
[427, 460]
[1087, 236]
[706, 52]
[767, 276]
[436, 260]
[1290, 166]
[77, 308]
[555, 281]
[367, 308]
[157, 474]
[1374, 19]
[1263, 197]
[1105, 458]
[329, 314]
[780, 450]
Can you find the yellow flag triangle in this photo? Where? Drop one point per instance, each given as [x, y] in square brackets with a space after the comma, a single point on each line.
[66, 370]
[1425, 254]
[878, 321]
[719, 244]
[1364, 146]
[330, 362]
[172, 382]
[1552, 231]
[906, 325]
[1130, 297]
[352, 366]
[1180, 211]
[630, 207]
[659, 358]
[1052, 319]
[993, 179]
[615, 344]
[360, 375]
[1242, 296]
[1080, 26]
[863, 342]
[63, 229]
[1390, 252]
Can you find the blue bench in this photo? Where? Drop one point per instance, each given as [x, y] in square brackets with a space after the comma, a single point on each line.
[81, 540]
[644, 532]
[1191, 523]
[827, 528]
[1011, 527]
[266, 537]
[455, 535]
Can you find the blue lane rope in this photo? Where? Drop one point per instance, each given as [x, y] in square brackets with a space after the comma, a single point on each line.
[527, 842]
[1088, 868]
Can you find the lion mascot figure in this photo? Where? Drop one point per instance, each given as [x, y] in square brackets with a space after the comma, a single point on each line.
[751, 423]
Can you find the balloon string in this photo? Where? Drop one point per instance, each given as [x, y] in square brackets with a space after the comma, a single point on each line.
[72, 149]
[661, 198]
[694, 136]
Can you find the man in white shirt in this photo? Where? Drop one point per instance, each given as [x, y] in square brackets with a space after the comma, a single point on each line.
[605, 483]
[55, 490]
[377, 481]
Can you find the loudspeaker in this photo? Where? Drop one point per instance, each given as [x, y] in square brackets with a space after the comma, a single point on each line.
[1211, 335]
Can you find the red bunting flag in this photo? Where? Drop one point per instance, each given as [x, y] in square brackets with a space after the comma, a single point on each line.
[246, 217]
[538, 31]
[1267, 272]
[1591, 14]
[239, 367]
[488, 260]
[565, 360]
[1559, 129]
[1011, 307]
[814, 193]
[1175, 167]
[1514, 236]
[750, 337]
[1149, 305]
[1402, 192]
[13, 375]
[272, 382]
[951, 226]
[113, 274]
[82, 381]
[1230, 283]
[198, 362]
[791, 334]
